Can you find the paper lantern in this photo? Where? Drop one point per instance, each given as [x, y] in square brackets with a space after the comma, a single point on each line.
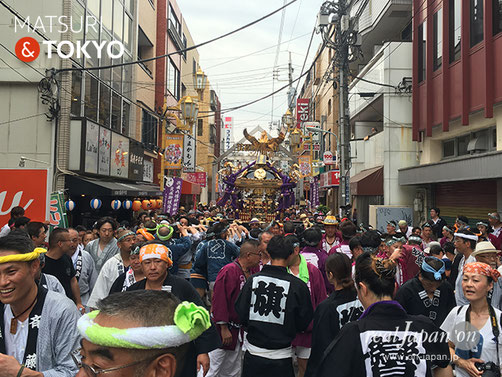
[136, 205]
[153, 203]
[116, 204]
[95, 203]
[159, 203]
[145, 204]
[127, 204]
[69, 205]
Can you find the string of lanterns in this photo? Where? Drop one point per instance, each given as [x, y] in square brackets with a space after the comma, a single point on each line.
[116, 204]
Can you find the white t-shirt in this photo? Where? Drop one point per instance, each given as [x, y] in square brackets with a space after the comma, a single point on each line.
[486, 349]
[15, 344]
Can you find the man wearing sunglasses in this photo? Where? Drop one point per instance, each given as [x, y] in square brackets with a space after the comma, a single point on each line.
[38, 327]
[126, 338]
[226, 361]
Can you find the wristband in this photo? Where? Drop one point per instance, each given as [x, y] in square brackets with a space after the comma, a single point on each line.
[21, 370]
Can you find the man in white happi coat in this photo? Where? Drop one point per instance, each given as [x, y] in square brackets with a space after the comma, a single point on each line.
[38, 327]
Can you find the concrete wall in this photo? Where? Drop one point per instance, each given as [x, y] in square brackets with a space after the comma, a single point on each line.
[393, 148]
[19, 98]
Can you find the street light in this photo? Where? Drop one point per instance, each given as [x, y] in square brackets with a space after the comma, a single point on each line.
[315, 129]
[295, 137]
[199, 80]
[189, 109]
[287, 119]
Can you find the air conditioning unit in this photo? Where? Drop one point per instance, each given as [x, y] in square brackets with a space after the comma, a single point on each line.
[478, 144]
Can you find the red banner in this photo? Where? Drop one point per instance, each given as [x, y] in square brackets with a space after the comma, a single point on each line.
[302, 111]
[26, 188]
[330, 178]
[198, 178]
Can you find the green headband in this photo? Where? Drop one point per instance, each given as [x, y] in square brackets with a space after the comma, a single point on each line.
[190, 322]
[126, 235]
[169, 235]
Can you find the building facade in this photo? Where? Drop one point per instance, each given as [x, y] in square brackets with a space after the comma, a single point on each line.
[380, 107]
[457, 118]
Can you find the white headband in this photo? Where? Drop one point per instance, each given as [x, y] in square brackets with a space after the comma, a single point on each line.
[472, 237]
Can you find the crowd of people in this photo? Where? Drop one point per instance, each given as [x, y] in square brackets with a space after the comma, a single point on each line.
[202, 294]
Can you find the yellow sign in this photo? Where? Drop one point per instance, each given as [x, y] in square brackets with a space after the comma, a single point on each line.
[305, 164]
[173, 154]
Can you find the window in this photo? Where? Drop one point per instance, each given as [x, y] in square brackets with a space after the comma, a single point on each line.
[437, 25]
[76, 87]
[329, 106]
[118, 19]
[149, 129]
[476, 20]
[93, 7]
[126, 108]
[104, 105]
[194, 66]
[473, 143]
[212, 133]
[107, 14]
[174, 19]
[145, 51]
[422, 41]
[497, 16]
[91, 97]
[449, 148]
[115, 123]
[173, 79]
[127, 31]
[455, 22]
[200, 127]
[183, 90]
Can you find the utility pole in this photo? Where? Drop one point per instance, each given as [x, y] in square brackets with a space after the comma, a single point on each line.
[339, 32]
[343, 127]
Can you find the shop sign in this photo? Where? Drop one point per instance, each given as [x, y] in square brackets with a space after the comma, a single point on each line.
[136, 159]
[198, 178]
[330, 179]
[105, 137]
[14, 191]
[147, 170]
[228, 127]
[302, 111]
[120, 158]
[188, 154]
[328, 158]
[91, 148]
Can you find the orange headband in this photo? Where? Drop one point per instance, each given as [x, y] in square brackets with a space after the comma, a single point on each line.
[481, 269]
[155, 251]
[148, 236]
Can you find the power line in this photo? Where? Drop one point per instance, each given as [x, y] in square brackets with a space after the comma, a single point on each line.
[178, 52]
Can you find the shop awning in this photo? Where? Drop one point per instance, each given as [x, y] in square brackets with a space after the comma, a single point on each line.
[99, 187]
[188, 188]
[367, 182]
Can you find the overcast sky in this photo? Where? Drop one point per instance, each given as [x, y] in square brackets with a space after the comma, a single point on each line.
[240, 67]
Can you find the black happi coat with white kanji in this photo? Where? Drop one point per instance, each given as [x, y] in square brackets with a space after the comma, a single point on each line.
[386, 341]
[330, 316]
[273, 307]
[414, 300]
